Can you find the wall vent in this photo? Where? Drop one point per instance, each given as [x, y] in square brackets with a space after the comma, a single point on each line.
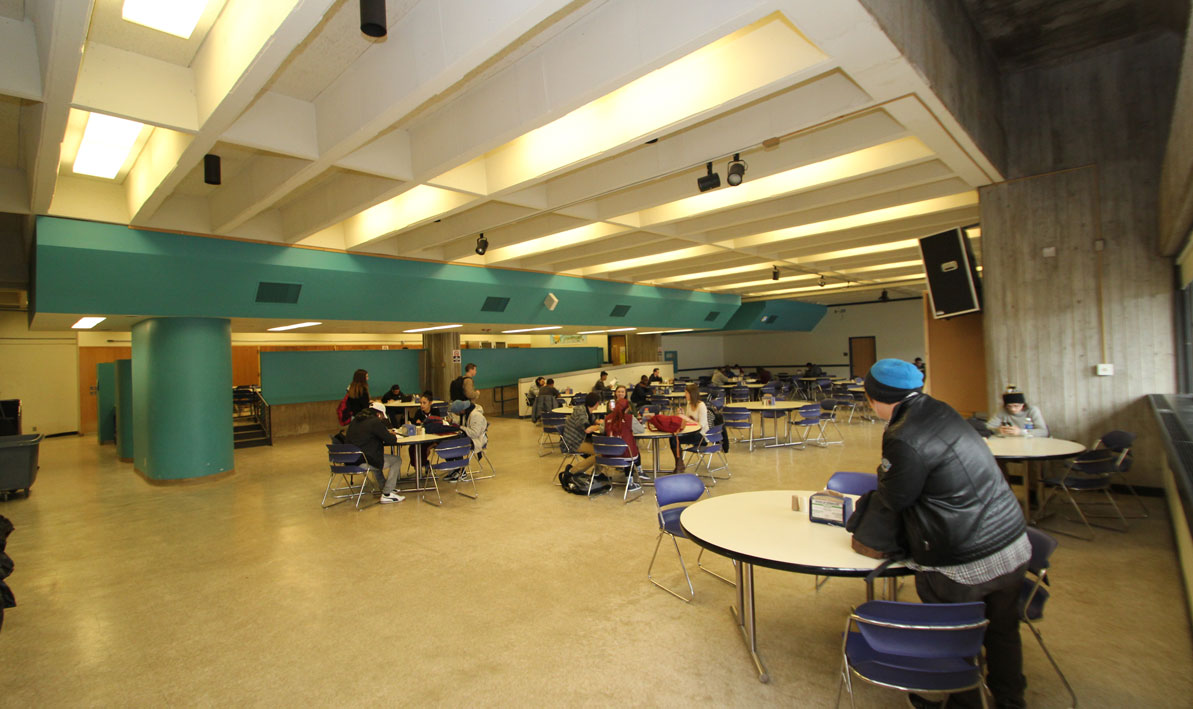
[278, 292]
[619, 311]
[495, 304]
[768, 319]
[712, 315]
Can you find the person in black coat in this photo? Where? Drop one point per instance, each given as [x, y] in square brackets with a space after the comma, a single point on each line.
[369, 432]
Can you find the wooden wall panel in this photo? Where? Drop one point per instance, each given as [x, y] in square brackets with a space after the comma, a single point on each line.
[88, 358]
[956, 361]
[643, 348]
[1085, 140]
[246, 365]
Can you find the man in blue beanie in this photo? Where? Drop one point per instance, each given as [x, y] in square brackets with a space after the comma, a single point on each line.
[961, 524]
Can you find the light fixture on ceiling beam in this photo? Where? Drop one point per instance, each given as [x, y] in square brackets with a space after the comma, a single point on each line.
[821, 283]
[532, 329]
[211, 169]
[884, 297]
[107, 142]
[87, 323]
[372, 18]
[711, 181]
[436, 327]
[665, 332]
[774, 273]
[482, 244]
[295, 326]
[178, 18]
[736, 171]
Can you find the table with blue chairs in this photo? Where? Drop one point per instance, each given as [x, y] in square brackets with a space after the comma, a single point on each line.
[760, 529]
[772, 411]
[1022, 449]
[420, 485]
[654, 437]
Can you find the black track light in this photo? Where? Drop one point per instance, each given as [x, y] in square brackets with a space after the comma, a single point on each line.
[211, 169]
[884, 297]
[821, 283]
[482, 244]
[711, 181]
[774, 273]
[737, 170]
[372, 17]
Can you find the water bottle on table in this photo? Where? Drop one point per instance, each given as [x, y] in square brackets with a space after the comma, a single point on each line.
[1028, 428]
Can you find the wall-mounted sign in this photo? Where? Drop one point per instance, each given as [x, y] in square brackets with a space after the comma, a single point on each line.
[569, 339]
[455, 356]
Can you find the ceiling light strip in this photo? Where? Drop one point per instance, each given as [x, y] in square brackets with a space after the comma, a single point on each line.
[436, 327]
[295, 326]
[532, 329]
[87, 323]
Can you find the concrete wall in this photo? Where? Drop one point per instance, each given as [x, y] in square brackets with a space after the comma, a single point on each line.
[1176, 180]
[40, 369]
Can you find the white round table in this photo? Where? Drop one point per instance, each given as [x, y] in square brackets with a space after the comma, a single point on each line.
[1021, 449]
[787, 406]
[655, 436]
[760, 528]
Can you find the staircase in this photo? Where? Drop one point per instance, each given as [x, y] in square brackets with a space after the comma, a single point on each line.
[250, 419]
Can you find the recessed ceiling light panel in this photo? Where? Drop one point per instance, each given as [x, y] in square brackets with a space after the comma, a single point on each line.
[176, 17]
[87, 323]
[294, 326]
[107, 141]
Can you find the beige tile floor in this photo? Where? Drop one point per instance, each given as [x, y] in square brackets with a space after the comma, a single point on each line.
[243, 591]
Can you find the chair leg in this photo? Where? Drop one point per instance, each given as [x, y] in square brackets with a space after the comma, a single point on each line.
[649, 577]
[1063, 679]
[710, 572]
[466, 472]
[1077, 507]
[435, 482]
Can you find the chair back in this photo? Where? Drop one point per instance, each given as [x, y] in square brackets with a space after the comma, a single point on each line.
[676, 489]
[439, 410]
[713, 439]
[554, 422]
[913, 632]
[346, 458]
[739, 394]
[609, 448]
[852, 483]
[454, 448]
[1117, 440]
[1042, 546]
[736, 417]
[578, 399]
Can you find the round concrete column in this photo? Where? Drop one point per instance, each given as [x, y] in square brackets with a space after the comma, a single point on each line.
[182, 398]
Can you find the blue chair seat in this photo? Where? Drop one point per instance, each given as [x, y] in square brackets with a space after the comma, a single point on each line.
[924, 674]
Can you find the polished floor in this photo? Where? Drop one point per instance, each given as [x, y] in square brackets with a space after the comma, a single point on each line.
[243, 591]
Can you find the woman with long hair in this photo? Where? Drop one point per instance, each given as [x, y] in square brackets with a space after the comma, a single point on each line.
[620, 423]
[358, 392]
[694, 412]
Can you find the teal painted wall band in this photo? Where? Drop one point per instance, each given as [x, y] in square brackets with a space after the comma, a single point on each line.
[292, 377]
[503, 367]
[124, 409]
[105, 401]
[787, 316]
[105, 268]
[182, 397]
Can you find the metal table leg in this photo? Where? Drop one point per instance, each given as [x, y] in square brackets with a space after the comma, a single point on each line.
[743, 615]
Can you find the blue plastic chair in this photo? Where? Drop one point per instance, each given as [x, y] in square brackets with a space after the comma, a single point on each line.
[710, 445]
[739, 393]
[552, 426]
[613, 452]
[673, 494]
[1092, 472]
[453, 454]
[737, 418]
[348, 461]
[1033, 595]
[915, 647]
[852, 483]
[809, 418]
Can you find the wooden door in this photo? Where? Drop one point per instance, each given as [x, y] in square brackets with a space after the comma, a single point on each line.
[862, 355]
[88, 404]
[617, 349]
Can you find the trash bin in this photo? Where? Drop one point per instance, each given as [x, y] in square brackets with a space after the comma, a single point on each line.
[18, 463]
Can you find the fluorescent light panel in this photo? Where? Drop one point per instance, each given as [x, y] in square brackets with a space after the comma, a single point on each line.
[602, 332]
[87, 323]
[665, 332]
[294, 326]
[837, 286]
[176, 17]
[630, 263]
[107, 141]
[531, 329]
[704, 275]
[437, 327]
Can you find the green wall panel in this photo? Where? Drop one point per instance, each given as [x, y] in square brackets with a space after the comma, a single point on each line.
[498, 367]
[788, 316]
[110, 269]
[123, 375]
[295, 376]
[105, 401]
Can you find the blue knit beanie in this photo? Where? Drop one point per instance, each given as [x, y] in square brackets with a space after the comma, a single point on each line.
[891, 380]
[459, 406]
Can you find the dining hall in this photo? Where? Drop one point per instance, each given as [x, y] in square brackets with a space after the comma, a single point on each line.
[235, 234]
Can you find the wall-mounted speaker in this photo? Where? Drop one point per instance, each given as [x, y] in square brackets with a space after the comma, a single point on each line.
[953, 283]
[550, 301]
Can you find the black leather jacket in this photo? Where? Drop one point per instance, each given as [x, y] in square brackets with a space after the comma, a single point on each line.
[939, 476]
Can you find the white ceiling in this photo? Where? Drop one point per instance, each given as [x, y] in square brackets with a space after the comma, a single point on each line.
[457, 124]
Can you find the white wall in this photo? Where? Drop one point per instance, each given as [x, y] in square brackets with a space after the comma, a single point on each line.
[696, 352]
[42, 370]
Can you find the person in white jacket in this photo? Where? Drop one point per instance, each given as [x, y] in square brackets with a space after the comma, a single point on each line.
[471, 418]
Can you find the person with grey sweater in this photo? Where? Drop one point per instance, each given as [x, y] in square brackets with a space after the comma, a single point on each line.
[1013, 417]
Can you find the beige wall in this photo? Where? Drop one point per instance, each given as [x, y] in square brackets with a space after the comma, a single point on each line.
[1085, 140]
[1176, 180]
[40, 369]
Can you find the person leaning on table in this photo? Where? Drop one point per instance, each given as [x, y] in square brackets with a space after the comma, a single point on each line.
[941, 492]
[578, 430]
[368, 432]
[1014, 415]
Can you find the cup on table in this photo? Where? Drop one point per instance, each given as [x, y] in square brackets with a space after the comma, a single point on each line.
[418, 430]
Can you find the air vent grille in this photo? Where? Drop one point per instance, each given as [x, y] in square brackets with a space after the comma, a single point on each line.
[712, 315]
[495, 304]
[619, 311]
[278, 292]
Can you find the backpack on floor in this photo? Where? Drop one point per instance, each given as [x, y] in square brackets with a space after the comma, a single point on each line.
[577, 483]
[343, 415]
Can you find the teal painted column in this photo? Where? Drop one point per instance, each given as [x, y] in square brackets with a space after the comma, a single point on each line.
[105, 401]
[124, 410]
[182, 397]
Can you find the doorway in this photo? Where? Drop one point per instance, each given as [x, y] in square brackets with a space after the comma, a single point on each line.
[862, 355]
[617, 345]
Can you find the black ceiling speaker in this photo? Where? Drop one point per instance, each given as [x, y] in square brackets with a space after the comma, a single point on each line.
[211, 169]
[711, 181]
[774, 273]
[372, 17]
[482, 244]
[953, 282]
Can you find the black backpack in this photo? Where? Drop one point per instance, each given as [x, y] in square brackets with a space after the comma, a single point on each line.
[577, 483]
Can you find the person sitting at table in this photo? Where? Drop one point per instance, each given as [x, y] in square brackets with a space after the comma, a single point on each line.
[694, 411]
[471, 418]
[394, 394]
[620, 423]
[358, 393]
[719, 377]
[539, 382]
[619, 394]
[655, 376]
[577, 433]
[1014, 415]
[368, 432]
[813, 370]
[419, 418]
[762, 375]
[641, 394]
[601, 384]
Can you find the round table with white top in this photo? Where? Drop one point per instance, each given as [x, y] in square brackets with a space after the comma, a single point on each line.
[1026, 450]
[655, 436]
[760, 528]
[786, 406]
